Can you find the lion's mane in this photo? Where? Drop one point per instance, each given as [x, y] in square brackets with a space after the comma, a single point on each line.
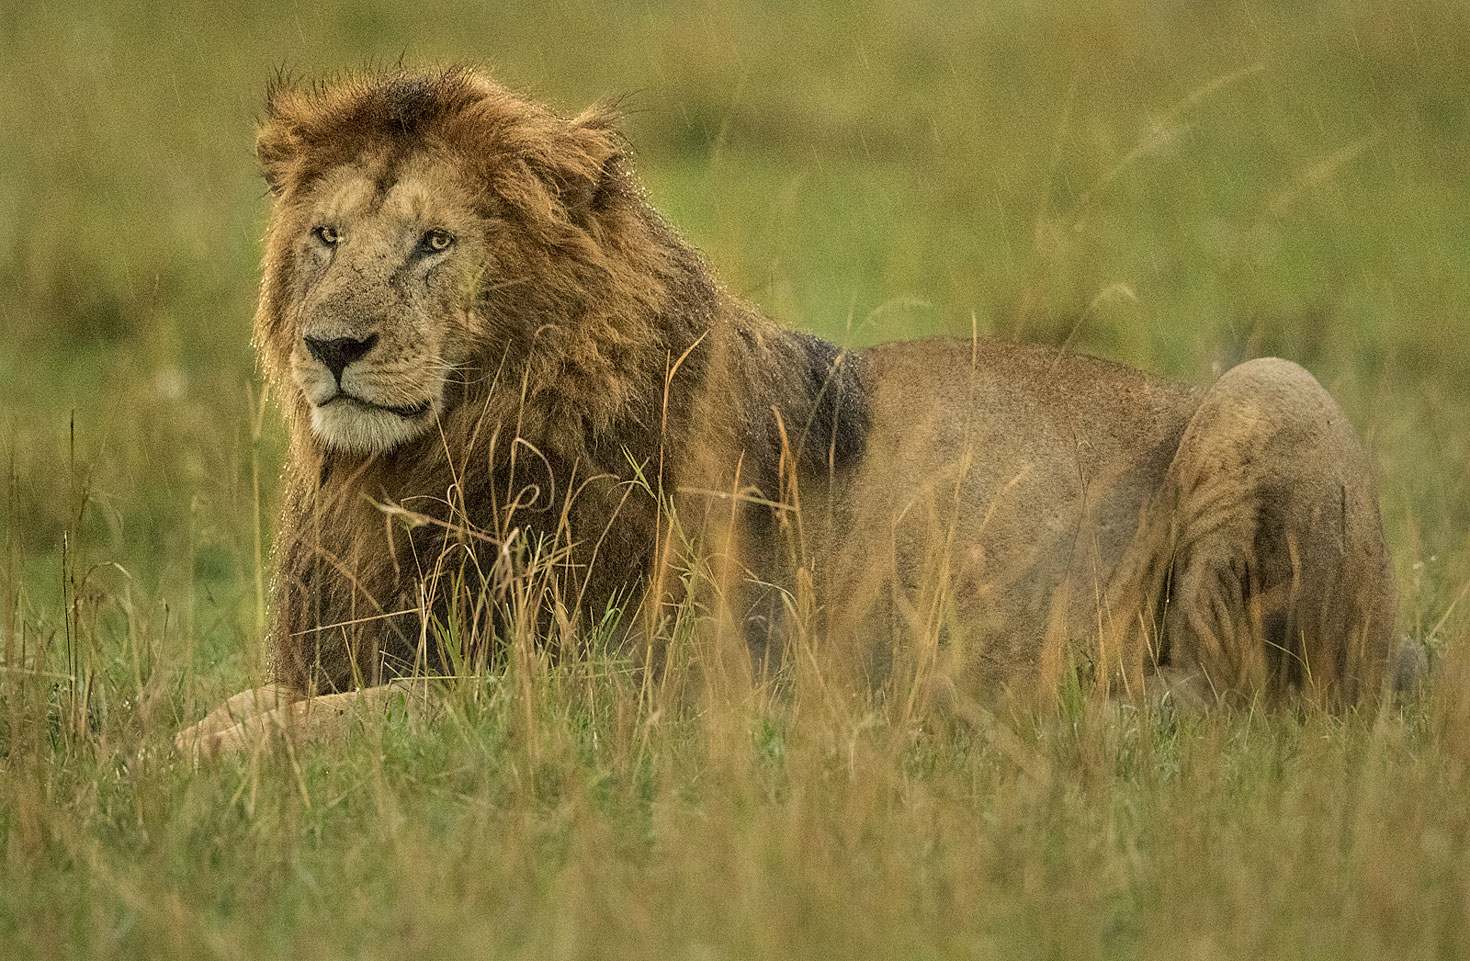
[605, 357]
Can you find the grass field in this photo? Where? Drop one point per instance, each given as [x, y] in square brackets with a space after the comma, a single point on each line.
[1174, 185]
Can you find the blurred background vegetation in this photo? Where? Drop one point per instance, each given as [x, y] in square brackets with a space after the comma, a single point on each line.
[1178, 185]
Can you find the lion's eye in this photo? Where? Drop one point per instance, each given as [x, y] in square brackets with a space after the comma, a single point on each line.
[327, 235]
[436, 240]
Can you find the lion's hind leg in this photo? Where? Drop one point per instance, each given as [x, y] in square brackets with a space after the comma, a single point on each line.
[1280, 575]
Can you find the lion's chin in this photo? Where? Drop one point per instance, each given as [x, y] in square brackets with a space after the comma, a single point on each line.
[347, 425]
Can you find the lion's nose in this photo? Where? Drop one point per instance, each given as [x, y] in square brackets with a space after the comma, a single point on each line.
[338, 352]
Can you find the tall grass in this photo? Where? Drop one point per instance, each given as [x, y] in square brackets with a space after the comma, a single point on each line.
[1176, 186]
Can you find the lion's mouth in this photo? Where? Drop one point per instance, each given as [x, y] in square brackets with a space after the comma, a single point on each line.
[408, 412]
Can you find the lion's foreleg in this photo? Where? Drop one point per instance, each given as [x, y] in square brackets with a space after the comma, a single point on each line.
[241, 707]
[323, 718]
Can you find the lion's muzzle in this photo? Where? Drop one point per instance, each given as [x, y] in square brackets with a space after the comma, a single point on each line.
[337, 352]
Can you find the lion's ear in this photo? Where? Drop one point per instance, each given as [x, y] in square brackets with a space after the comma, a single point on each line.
[274, 152]
[586, 171]
[276, 142]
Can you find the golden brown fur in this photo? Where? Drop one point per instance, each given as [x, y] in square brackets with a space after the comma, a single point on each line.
[566, 363]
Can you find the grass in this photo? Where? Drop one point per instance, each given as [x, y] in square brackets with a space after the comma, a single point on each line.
[1174, 186]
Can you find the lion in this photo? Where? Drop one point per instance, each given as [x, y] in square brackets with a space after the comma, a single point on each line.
[490, 345]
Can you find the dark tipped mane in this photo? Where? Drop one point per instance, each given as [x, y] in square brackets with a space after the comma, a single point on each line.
[836, 428]
[309, 127]
[393, 96]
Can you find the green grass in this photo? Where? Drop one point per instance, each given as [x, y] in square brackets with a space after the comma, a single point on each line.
[1177, 186]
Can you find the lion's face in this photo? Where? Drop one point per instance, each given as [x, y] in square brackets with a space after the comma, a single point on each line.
[435, 237]
[385, 287]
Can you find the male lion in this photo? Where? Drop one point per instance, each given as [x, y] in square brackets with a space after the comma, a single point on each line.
[494, 354]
